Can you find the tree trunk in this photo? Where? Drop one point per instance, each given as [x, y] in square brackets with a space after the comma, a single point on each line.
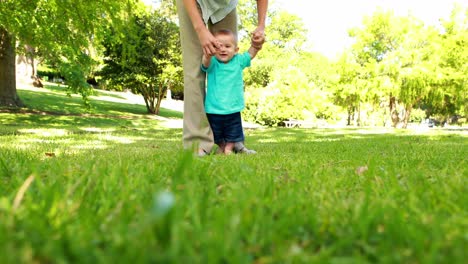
[393, 111]
[160, 96]
[31, 54]
[8, 95]
[349, 117]
[359, 115]
[407, 115]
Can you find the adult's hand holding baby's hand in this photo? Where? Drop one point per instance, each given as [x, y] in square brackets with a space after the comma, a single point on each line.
[258, 38]
[208, 42]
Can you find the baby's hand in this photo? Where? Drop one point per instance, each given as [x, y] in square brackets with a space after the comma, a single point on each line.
[258, 38]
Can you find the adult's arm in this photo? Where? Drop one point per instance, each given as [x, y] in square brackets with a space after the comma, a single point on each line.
[258, 37]
[262, 6]
[207, 40]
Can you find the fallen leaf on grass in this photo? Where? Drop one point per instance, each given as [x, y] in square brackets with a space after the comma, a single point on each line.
[360, 170]
[50, 154]
[380, 228]
[219, 188]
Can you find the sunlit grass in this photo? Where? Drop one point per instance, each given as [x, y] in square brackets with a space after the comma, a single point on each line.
[53, 98]
[122, 190]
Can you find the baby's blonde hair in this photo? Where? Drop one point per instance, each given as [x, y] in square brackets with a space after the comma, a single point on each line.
[226, 32]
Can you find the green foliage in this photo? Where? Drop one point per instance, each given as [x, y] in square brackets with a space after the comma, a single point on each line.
[403, 63]
[284, 81]
[294, 92]
[47, 73]
[418, 115]
[287, 31]
[63, 31]
[397, 65]
[345, 92]
[146, 60]
[381, 34]
[247, 15]
[448, 96]
[90, 189]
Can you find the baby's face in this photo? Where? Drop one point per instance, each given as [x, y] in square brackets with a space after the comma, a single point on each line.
[227, 48]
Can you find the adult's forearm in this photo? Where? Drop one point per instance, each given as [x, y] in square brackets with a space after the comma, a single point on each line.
[262, 6]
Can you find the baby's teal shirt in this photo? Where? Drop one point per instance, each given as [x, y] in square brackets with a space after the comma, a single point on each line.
[225, 88]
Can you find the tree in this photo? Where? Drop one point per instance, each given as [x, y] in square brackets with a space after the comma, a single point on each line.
[285, 81]
[287, 31]
[397, 56]
[8, 95]
[62, 30]
[417, 75]
[448, 96]
[381, 34]
[146, 60]
[414, 65]
[345, 94]
[298, 88]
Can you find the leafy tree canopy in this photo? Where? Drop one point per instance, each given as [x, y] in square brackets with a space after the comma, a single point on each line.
[64, 31]
[146, 59]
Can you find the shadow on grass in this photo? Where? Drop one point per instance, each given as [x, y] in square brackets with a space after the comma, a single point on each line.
[66, 105]
[284, 147]
[57, 88]
[50, 124]
[282, 136]
[54, 109]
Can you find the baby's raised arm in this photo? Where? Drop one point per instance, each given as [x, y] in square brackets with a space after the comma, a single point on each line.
[256, 44]
[206, 59]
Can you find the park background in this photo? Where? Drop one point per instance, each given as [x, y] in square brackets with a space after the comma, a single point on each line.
[92, 168]
[385, 64]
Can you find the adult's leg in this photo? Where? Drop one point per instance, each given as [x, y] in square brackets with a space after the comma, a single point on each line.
[196, 127]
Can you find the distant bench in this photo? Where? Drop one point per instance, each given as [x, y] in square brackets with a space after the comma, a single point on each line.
[298, 123]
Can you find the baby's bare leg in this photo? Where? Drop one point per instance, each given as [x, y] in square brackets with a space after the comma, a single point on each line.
[228, 148]
[221, 147]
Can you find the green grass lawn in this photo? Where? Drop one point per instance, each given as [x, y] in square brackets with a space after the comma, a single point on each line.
[113, 185]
